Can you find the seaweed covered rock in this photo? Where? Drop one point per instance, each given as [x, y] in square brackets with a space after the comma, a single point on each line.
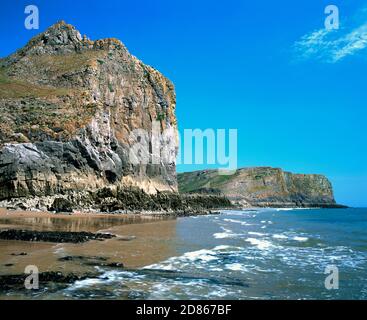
[62, 205]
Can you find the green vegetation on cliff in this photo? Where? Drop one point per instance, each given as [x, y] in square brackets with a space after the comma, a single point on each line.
[262, 186]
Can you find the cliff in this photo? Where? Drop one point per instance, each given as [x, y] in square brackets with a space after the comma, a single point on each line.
[68, 108]
[71, 112]
[262, 186]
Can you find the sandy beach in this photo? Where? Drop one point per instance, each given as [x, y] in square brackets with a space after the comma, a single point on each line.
[140, 240]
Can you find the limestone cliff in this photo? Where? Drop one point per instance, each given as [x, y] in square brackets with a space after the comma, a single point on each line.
[262, 186]
[68, 106]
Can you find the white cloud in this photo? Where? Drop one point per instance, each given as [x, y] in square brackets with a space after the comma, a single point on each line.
[351, 43]
[332, 45]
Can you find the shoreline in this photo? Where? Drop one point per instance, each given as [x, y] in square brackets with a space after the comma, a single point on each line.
[84, 229]
[5, 211]
[136, 241]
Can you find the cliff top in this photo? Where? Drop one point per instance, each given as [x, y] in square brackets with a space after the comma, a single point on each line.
[61, 38]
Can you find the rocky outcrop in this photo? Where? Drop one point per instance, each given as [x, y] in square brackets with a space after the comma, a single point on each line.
[53, 236]
[71, 110]
[121, 200]
[50, 279]
[262, 187]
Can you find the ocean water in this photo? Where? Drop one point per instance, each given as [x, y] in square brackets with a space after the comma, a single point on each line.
[250, 254]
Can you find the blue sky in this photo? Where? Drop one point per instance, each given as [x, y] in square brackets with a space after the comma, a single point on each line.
[296, 93]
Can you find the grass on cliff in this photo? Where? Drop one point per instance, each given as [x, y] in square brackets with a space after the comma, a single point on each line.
[62, 64]
[15, 89]
[194, 181]
[32, 116]
[31, 112]
[53, 66]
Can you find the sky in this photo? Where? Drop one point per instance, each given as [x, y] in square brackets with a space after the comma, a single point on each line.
[295, 91]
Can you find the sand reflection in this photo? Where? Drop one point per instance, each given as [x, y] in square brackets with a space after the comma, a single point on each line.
[141, 240]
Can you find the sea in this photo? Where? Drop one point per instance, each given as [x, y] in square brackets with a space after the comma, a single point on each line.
[253, 254]
[248, 254]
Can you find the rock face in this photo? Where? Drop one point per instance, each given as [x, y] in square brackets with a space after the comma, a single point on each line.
[263, 187]
[122, 200]
[70, 109]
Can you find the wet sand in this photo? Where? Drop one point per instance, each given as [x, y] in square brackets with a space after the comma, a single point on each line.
[140, 240]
